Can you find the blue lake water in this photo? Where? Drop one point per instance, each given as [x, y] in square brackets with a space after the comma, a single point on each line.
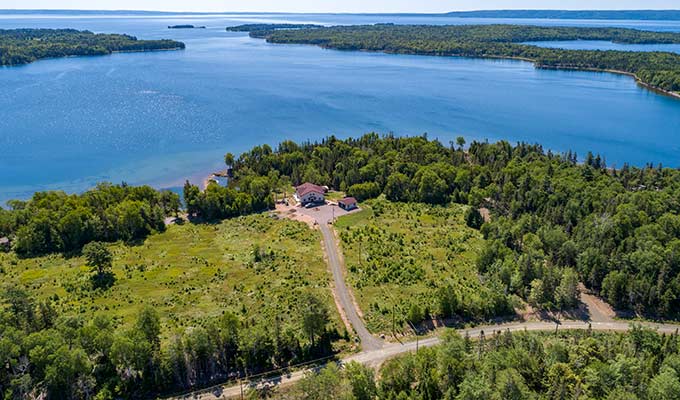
[163, 117]
[605, 45]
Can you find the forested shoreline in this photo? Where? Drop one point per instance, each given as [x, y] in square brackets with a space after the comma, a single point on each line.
[23, 46]
[660, 70]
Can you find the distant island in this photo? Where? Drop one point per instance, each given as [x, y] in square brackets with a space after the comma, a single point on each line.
[655, 70]
[270, 27]
[23, 46]
[185, 27]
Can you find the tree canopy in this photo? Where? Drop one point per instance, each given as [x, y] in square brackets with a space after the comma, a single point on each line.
[52, 222]
[54, 356]
[641, 365]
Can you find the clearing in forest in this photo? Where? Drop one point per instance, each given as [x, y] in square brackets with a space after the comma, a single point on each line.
[412, 260]
[256, 267]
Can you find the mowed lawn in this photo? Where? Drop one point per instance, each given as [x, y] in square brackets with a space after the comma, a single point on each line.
[191, 272]
[399, 254]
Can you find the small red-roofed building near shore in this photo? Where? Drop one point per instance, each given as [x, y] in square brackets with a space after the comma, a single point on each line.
[348, 203]
[309, 193]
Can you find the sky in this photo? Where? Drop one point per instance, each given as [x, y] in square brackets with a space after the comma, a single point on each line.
[415, 6]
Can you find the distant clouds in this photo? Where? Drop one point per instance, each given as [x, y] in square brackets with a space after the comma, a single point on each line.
[336, 5]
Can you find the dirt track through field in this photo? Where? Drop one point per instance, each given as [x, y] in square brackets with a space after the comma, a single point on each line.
[368, 341]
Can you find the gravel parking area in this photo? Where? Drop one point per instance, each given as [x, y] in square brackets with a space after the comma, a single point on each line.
[324, 213]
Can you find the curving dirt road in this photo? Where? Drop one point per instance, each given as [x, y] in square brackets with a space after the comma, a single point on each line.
[368, 341]
[374, 357]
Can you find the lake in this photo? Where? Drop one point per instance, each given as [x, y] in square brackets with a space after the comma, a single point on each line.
[160, 118]
[605, 45]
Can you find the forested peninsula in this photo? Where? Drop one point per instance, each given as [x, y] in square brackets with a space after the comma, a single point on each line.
[656, 70]
[23, 46]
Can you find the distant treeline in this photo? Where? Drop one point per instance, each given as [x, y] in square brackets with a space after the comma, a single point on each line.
[659, 15]
[23, 46]
[554, 221]
[658, 69]
[394, 37]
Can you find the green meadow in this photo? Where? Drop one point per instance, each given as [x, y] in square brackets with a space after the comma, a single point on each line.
[191, 273]
[401, 256]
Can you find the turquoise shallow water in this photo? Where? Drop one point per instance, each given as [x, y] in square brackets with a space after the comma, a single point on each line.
[162, 117]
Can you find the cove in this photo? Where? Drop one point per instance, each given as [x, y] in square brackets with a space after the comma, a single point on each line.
[160, 118]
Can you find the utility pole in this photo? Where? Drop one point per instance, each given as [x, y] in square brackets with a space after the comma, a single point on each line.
[361, 254]
[394, 334]
[416, 332]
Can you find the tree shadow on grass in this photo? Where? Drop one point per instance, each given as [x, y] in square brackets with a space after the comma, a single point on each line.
[103, 281]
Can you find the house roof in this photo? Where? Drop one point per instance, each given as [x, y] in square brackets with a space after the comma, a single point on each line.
[309, 188]
[348, 201]
[4, 240]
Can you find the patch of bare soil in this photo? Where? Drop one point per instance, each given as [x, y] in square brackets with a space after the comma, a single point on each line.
[486, 214]
[591, 308]
[598, 310]
[291, 212]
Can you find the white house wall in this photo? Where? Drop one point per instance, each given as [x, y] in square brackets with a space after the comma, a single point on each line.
[312, 198]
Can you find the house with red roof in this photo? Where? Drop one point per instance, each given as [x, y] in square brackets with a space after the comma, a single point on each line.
[310, 193]
[348, 203]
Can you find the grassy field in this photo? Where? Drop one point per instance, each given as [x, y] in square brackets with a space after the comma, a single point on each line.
[335, 195]
[191, 272]
[399, 254]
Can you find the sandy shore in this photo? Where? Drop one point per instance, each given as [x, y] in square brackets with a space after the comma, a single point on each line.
[215, 174]
[206, 181]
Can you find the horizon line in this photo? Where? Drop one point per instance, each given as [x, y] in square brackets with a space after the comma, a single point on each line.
[340, 12]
